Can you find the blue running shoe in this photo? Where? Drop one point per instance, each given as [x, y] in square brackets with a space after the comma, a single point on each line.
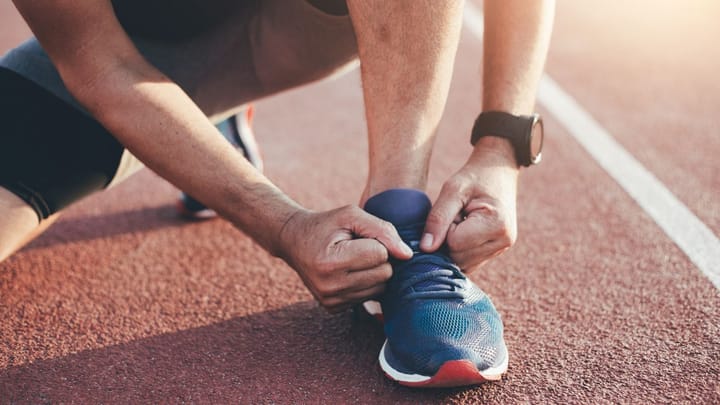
[441, 329]
[238, 131]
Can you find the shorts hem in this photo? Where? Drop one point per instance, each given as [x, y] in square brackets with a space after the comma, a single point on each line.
[31, 198]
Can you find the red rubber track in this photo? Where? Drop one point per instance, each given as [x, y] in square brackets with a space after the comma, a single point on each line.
[122, 302]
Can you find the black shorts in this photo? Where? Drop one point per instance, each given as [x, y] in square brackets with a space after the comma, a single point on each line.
[51, 154]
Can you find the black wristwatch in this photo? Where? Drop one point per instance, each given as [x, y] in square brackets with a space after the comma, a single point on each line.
[525, 133]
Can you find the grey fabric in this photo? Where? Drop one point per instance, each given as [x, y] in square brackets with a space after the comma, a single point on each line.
[258, 50]
[31, 61]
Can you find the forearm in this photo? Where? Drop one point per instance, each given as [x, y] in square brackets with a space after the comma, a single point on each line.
[483, 193]
[407, 50]
[517, 37]
[152, 116]
[158, 123]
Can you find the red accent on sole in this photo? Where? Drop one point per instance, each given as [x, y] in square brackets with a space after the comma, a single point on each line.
[454, 373]
[250, 114]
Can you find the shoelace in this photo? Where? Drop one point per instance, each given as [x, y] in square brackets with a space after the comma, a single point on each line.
[439, 283]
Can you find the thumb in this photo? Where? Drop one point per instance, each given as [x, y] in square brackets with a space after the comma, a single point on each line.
[441, 216]
[370, 226]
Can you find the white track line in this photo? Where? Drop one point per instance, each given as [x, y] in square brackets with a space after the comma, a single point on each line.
[679, 223]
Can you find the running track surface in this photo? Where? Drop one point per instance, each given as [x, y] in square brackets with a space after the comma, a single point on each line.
[122, 302]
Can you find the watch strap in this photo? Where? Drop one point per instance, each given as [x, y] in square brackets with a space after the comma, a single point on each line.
[514, 128]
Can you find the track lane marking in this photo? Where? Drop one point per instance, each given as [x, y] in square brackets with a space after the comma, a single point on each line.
[690, 234]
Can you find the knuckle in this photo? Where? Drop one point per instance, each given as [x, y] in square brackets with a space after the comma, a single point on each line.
[382, 254]
[385, 272]
[502, 234]
[325, 267]
[506, 236]
[500, 246]
[490, 213]
[453, 186]
[378, 255]
[345, 213]
[328, 290]
[334, 290]
[435, 218]
[323, 270]
[387, 228]
[353, 210]
[327, 303]
[511, 238]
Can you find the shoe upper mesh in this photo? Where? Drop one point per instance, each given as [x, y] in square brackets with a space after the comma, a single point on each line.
[431, 332]
[432, 312]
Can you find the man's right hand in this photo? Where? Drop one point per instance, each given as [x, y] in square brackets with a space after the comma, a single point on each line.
[341, 255]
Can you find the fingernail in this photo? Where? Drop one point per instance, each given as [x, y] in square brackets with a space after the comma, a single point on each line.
[426, 241]
[408, 251]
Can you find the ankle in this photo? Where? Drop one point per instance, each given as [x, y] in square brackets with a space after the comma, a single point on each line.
[375, 188]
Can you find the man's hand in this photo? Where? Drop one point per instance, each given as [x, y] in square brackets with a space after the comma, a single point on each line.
[341, 255]
[475, 212]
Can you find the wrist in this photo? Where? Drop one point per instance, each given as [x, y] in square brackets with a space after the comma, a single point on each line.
[284, 237]
[263, 217]
[498, 149]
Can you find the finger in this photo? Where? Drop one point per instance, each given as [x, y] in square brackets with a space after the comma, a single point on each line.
[367, 278]
[342, 302]
[362, 280]
[443, 213]
[472, 232]
[364, 295]
[360, 254]
[344, 281]
[370, 226]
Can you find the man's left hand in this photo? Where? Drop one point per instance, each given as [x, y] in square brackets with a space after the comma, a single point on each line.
[475, 212]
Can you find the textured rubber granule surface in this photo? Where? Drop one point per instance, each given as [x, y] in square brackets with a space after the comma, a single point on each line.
[121, 301]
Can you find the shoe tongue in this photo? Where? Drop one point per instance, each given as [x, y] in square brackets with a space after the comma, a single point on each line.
[407, 209]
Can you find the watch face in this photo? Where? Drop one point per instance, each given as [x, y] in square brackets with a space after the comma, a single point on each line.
[536, 140]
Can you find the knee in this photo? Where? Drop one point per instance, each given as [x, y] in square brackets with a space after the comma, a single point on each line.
[18, 223]
[23, 228]
[10, 242]
[12, 239]
[297, 42]
[5, 251]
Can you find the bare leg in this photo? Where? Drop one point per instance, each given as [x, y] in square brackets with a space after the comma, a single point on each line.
[407, 51]
[18, 223]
